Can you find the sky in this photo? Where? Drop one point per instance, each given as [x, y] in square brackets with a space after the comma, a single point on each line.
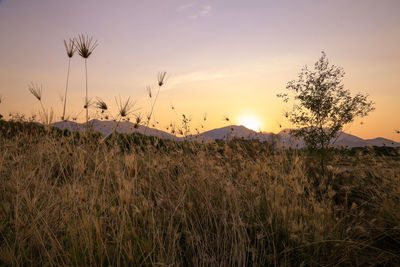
[223, 58]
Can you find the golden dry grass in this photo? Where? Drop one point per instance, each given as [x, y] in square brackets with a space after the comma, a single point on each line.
[73, 201]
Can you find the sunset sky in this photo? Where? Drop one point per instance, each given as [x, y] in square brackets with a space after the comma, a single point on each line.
[222, 57]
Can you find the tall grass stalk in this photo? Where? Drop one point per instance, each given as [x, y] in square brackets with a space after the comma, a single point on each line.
[85, 46]
[36, 90]
[86, 98]
[70, 48]
[161, 80]
[125, 108]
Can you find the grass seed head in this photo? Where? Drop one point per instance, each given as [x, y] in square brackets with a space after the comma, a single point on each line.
[87, 104]
[139, 118]
[125, 107]
[148, 88]
[70, 47]
[100, 104]
[161, 78]
[36, 90]
[85, 45]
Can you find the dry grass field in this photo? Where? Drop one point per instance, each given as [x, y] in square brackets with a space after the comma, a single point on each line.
[68, 199]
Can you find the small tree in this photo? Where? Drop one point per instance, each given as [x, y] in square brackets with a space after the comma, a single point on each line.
[322, 106]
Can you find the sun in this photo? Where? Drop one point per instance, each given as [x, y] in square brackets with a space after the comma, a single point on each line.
[250, 122]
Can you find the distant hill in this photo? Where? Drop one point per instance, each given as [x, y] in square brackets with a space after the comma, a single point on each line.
[107, 127]
[286, 139]
[229, 132]
[349, 140]
[225, 133]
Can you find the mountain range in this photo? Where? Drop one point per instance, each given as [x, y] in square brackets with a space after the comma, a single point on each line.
[233, 131]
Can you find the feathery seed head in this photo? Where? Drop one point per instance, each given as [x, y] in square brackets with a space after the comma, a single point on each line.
[85, 45]
[70, 47]
[149, 91]
[36, 90]
[161, 78]
[100, 104]
[125, 108]
[138, 118]
[87, 104]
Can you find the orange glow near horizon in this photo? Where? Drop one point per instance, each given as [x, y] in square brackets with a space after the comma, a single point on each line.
[223, 58]
[251, 122]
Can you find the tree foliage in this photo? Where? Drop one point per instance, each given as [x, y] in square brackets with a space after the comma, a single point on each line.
[322, 106]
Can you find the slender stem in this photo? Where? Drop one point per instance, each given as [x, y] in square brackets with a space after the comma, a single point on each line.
[44, 113]
[116, 126]
[87, 104]
[113, 130]
[152, 108]
[66, 89]
[41, 104]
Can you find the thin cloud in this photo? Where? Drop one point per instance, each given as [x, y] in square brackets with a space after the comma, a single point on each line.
[183, 7]
[194, 10]
[199, 76]
[205, 10]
